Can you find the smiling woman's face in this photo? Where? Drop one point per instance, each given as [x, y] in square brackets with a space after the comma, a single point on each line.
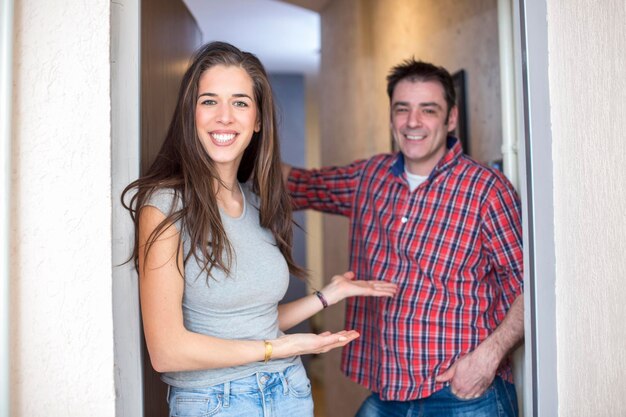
[226, 114]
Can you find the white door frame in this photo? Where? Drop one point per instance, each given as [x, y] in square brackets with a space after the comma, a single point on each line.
[536, 189]
[6, 120]
[125, 134]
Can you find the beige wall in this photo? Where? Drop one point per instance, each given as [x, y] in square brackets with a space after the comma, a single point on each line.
[61, 309]
[361, 40]
[588, 112]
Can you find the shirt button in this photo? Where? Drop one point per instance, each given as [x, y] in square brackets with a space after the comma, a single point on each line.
[404, 220]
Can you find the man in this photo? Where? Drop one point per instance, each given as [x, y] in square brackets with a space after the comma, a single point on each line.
[447, 231]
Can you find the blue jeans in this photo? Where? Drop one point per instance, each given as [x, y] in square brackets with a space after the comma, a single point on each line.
[263, 394]
[499, 400]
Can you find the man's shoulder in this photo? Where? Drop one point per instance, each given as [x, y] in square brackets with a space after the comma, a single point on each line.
[483, 173]
[379, 161]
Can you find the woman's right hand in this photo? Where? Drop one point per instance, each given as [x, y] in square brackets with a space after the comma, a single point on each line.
[306, 343]
[345, 285]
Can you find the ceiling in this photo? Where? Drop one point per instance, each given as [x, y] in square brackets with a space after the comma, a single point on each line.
[285, 37]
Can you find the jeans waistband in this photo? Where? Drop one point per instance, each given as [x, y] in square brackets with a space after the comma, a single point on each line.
[259, 381]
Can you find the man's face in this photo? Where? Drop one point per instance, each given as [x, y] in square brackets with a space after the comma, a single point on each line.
[418, 123]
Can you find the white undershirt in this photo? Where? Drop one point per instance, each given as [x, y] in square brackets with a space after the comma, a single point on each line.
[414, 180]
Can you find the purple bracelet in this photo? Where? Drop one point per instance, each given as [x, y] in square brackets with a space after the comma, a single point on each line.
[322, 299]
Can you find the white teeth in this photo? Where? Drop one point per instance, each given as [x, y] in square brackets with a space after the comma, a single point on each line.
[222, 137]
[412, 137]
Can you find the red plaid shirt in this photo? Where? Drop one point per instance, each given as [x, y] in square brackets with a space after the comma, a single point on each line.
[453, 246]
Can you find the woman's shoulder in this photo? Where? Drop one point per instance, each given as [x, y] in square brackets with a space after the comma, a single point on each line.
[167, 200]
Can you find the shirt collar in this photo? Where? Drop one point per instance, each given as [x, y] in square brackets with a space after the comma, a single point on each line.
[448, 161]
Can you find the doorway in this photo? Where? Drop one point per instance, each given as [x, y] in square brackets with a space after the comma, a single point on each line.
[530, 35]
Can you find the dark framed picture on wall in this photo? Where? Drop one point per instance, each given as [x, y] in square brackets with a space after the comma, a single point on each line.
[461, 102]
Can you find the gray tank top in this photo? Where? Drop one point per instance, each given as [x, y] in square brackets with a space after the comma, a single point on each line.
[242, 305]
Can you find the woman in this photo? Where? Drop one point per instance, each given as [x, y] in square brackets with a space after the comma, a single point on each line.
[213, 251]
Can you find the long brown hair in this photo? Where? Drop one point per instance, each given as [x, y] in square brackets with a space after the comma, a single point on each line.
[183, 165]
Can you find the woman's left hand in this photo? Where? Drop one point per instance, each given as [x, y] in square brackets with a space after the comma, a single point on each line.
[344, 286]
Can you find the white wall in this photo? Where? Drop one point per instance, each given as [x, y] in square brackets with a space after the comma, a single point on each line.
[61, 334]
[586, 41]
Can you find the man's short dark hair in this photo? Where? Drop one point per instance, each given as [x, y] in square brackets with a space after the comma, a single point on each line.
[415, 71]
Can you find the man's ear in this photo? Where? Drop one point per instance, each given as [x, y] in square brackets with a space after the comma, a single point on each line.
[453, 118]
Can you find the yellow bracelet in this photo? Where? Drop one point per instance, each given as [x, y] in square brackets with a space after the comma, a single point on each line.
[268, 351]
